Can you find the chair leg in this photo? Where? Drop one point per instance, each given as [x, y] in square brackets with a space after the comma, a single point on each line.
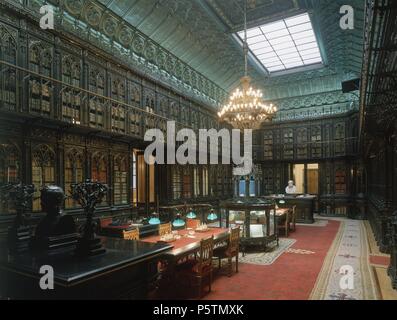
[219, 263]
[230, 266]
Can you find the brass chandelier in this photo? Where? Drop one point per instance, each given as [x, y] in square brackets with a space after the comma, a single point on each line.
[246, 108]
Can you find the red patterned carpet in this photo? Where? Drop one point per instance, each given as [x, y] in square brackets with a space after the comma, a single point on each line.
[291, 277]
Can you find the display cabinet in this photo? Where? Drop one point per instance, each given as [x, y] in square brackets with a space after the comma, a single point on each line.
[256, 218]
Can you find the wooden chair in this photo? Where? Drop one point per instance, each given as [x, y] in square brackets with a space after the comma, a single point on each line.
[230, 251]
[288, 222]
[192, 223]
[194, 272]
[283, 221]
[165, 228]
[131, 234]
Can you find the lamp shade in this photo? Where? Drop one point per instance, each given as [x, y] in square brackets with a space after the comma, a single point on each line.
[178, 221]
[154, 219]
[212, 216]
[191, 214]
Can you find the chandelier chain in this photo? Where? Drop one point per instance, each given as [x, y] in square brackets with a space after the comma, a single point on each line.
[246, 108]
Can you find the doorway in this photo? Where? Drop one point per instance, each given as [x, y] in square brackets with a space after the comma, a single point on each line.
[299, 177]
[312, 178]
[305, 177]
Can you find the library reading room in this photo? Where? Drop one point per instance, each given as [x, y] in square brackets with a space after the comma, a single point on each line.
[198, 150]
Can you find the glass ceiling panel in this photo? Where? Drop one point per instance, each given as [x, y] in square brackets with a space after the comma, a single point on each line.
[277, 41]
[294, 60]
[297, 20]
[310, 61]
[260, 45]
[287, 51]
[300, 28]
[263, 51]
[274, 26]
[252, 33]
[256, 39]
[305, 40]
[284, 44]
[273, 64]
[310, 45]
[271, 60]
[277, 34]
[311, 56]
[303, 35]
[309, 51]
[278, 68]
[290, 56]
[267, 55]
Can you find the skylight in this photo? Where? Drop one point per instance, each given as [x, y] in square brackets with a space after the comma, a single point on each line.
[284, 44]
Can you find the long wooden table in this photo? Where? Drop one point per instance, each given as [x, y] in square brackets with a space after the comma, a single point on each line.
[189, 245]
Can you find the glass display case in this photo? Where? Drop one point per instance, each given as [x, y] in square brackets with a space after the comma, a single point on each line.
[256, 219]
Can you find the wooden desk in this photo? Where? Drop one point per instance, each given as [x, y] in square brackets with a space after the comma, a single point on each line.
[305, 205]
[187, 246]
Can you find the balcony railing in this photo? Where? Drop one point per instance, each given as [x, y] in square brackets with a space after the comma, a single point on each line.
[34, 94]
[54, 99]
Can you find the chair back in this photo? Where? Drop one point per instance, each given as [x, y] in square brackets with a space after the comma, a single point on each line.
[131, 234]
[165, 228]
[192, 223]
[206, 253]
[234, 241]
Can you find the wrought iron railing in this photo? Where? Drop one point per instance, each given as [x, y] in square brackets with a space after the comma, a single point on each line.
[54, 99]
[43, 96]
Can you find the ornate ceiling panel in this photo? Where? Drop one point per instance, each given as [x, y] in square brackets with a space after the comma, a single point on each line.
[192, 40]
[231, 11]
[187, 30]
